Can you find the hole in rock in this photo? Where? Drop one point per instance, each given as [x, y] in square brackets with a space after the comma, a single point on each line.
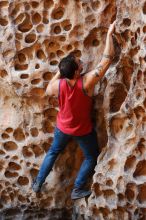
[19, 18]
[36, 18]
[21, 198]
[96, 188]
[116, 125]
[140, 169]
[95, 5]
[130, 191]
[109, 182]
[21, 67]
[54, 62]
[58, 13]
[144, 103]
[130, 162]
[117, 97]
[139, 112]
[139, 75]
[144, 8]
[45, 20]
[5, 135]
[57, 29]
[64, 2]
[37, 66]
[27, 152]
[144, 29]
[33, 173]
[3, 73]
[142, 193]
[34, 132]
[22, 180]
[47, 76]
[50, 112]
[27, 6]
[41, 55]
[77, 53]
[52, 55]
[3, 22]
[9, 130]
[30, 38]
[127, 21]
[134, 51]
[34, 4]
[38, 92]
[38, 151]
[68, 27]
[35, 81]
[5, 197]
[105, 212]
[48, 3]
[14, 166]
[112, 164]
[18, 134]
[121, 197]
[62, 38]
[133, 41]
[15, 157]
[40, 28]
[60, 53]
[26, 25]
[53, 101]
[10, 145]
[21, 57]
[108, 193]
[95, 43]
[3, 4]
[47, 127]
[126, 35]
[9, 174]
[2, 152]
[46, 146]
[24, 76]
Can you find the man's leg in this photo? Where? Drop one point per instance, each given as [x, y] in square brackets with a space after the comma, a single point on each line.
[89, 146]
[59, 143]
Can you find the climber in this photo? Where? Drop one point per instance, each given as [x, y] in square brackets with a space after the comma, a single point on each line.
[75, 92]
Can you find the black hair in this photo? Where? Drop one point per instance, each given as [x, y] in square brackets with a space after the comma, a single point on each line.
[68, 66]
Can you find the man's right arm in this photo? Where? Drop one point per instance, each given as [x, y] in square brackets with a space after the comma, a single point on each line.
[91, 78]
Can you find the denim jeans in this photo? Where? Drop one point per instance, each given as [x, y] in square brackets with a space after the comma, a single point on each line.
[89, 146]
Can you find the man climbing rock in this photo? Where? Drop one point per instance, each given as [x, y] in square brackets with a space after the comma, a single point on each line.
[75, 93]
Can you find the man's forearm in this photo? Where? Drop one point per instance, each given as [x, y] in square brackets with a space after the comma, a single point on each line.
[57, 76]
[109, 48]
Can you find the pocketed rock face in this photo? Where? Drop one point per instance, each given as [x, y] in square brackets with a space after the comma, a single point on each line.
[34, 36]
[118, 189]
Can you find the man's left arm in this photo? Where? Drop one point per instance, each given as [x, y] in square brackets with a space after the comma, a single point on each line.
[53, 86]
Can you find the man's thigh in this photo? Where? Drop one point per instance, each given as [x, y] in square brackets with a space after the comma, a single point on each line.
[60, 140]
[89, 144]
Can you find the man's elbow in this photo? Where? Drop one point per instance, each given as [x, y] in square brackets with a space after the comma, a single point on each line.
[49, 91]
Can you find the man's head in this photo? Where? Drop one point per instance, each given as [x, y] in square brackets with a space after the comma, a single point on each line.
[69, 66]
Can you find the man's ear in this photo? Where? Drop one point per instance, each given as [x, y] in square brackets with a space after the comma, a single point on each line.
[76, 74]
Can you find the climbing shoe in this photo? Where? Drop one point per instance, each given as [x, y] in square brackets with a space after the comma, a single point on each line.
[79, 193]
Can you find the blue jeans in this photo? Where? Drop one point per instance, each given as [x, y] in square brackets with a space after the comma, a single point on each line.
[89, 146]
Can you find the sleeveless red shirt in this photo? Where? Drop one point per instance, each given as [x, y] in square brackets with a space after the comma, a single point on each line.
[75, 106]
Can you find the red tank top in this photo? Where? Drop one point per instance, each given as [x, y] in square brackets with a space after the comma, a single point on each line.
[75, 106]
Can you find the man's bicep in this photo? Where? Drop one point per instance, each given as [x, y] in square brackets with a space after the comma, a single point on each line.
[91, 78]
[53, 88]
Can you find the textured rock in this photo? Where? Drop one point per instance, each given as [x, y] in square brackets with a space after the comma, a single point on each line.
[34, 36]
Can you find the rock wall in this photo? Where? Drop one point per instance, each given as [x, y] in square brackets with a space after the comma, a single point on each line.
[34, 36]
